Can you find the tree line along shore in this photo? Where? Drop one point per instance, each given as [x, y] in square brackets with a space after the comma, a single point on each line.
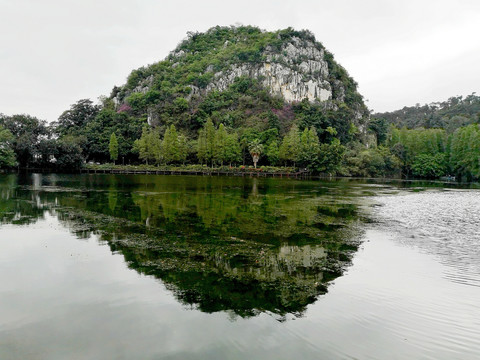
[27, 142]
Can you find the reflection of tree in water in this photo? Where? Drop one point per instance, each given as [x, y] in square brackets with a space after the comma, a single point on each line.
[19, 206]
[219, 244]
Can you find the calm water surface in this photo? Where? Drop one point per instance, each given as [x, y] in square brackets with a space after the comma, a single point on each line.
[166, 267]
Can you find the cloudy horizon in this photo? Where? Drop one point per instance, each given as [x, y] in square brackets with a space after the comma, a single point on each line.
[54, 53]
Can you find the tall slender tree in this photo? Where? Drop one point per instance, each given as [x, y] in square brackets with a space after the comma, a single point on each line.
[233, 152]
[290, 147]
[220, 145]
[202, 146]
[170, 145]
[113, 147]
[210, 136]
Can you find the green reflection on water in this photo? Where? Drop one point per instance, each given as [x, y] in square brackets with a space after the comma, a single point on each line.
[246, 245]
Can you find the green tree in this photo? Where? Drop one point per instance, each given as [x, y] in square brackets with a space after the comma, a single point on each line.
[379, 127]
[430, 166]
[409, 144]
[220, 145]
[202, 146]
[170, 151]
[272, 152]
[148, 146]
[256, 149]
[309, 148]
[48, 151]
[27, 133]
[465, 152]
[233, 152]
[206, 143]
[371, 162]
[210, 137]
[330, 157]
[97, 134]
[68, 153]
[183, 148]
[113, 147]
[246, 137]
[290, 147]
[73, 121]
[7, 155]
[180, 105]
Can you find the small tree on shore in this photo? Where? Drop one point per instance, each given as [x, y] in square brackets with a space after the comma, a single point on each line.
[256, 150]
[113, 147]
[148, 146]
[220, 145]
[202, 146]
[272, 152]
[7, 155]
[233, 153]
[290, 148]
[170, 145]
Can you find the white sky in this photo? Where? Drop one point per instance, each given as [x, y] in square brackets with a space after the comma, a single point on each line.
[402, 52]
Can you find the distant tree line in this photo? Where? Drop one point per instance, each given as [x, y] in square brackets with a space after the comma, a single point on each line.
[457, 111]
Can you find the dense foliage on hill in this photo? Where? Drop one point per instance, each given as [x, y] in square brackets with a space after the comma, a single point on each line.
[457, 111]
[189, 86]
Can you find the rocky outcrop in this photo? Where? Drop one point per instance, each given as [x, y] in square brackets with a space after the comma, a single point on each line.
[298, 71]
[295, 72]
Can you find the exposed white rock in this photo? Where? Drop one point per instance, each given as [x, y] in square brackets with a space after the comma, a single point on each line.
[194, 91]
[144, 86]
[282, 75]
[177, 54]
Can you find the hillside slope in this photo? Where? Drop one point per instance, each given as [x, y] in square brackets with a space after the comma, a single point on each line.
[451, 114]
[244, 77]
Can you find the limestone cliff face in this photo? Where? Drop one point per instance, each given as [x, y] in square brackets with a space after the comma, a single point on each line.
[295, 72]
[298, 71]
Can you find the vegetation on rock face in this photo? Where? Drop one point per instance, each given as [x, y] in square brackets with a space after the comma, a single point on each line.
[181, 89]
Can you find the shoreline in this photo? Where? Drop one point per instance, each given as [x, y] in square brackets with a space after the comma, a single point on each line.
[210, 172]
[234, 172]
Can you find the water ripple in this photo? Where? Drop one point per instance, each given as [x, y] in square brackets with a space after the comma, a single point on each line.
[444, 223]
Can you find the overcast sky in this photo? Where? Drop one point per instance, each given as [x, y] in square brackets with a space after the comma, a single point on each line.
[402, 52]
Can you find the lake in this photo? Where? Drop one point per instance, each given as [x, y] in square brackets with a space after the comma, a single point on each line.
[186, 267]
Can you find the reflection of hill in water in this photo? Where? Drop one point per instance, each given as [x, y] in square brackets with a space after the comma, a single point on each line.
[245, 245]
